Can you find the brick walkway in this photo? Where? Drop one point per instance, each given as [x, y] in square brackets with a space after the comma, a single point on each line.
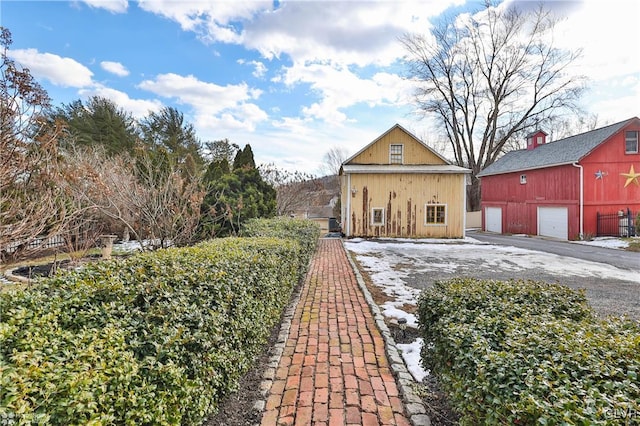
[333, 369]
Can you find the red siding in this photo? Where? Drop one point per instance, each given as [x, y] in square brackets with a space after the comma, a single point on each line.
[608, 193]
[556, 186]
[560, 186]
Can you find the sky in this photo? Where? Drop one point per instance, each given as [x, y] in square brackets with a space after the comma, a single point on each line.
[293, 79]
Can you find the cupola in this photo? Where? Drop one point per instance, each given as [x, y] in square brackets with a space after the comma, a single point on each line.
[536, 139]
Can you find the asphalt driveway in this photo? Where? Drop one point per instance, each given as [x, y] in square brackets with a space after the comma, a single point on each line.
[404, 267]
[618, 258]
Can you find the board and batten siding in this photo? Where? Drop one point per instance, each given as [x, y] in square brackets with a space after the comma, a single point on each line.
[413, 151]
[403, 198]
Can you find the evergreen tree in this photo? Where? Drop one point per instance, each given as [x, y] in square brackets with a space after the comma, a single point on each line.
[168, 129]
[234, 196]
[216, 170]
[98, 122]
[222, 150]
[244, 159]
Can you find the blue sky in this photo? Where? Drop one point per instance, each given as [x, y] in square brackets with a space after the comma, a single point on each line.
[291, 78]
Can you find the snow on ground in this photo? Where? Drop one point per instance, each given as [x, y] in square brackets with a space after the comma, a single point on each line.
[608, 242]
[133, 245]
[128, 246]
[390, 261]
[411, 355]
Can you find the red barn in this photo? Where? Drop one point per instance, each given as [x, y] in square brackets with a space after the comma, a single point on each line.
[559, 188]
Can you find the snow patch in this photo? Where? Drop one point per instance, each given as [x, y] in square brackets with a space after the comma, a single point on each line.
[608, 242]
[390, 310]
[411, 356]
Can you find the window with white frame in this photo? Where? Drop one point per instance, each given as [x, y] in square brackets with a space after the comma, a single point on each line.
[631, 142]
[395, 153]
[436, 214]
[523, 179]
[377, 216]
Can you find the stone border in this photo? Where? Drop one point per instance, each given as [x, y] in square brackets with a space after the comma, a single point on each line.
[10, 276]
[414, 406]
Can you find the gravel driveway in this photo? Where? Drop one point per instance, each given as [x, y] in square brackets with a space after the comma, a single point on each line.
[418, 264]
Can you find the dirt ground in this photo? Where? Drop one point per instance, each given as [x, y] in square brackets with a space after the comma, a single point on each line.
[237, 409]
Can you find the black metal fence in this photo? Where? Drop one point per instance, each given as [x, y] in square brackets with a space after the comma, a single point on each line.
[620, 224]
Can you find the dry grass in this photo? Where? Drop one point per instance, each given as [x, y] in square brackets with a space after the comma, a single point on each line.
[634, 244]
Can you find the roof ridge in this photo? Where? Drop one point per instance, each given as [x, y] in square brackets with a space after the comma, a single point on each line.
[594, 130]
[563, 151]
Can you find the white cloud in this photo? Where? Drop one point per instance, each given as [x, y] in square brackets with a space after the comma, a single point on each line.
[259, 68]
[339, 88]
[322, 39]
[212, 20]
[113, 6]
[201, 95]
[115, 68]
[605, 35]
[65, 72]
[227, 106]
[613, 104]
[137, 107]
[361, 33]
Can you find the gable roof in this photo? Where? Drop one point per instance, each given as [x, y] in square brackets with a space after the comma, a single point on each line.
[561, 152]
[396, 126]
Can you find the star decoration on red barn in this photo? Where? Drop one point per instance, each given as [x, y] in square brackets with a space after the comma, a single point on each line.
[600, 174]
[632, 176]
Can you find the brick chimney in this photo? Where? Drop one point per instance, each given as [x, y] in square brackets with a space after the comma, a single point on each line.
[536, 139]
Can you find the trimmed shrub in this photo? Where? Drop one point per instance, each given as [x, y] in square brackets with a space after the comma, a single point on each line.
[524, 352]
[159, 338]
[305, 232]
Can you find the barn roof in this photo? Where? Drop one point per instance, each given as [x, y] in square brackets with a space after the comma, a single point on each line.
[561, 152]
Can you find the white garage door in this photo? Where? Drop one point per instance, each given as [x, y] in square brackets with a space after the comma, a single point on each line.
[493, 219]
[553, 222]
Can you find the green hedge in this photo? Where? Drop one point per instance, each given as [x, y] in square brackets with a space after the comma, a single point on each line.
[159, 338]
[305, 232]
[524, 352]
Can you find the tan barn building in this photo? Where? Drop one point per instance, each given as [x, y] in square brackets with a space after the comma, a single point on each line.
[399, 187]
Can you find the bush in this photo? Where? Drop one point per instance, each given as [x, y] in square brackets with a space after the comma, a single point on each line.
[305, 232]
[159, 338]
[524, 352]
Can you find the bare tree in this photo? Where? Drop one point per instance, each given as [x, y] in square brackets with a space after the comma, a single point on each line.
[166, 203]
[31, 209]
[332, 160]
[294, 190]
[488, 76]
[151, 199]
[563, 127]
[101, 182]
[558, 127]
